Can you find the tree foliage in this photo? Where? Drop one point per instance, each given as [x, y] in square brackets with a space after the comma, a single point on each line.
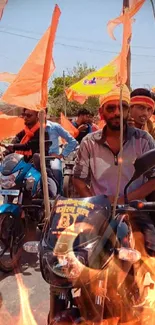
[56, 92]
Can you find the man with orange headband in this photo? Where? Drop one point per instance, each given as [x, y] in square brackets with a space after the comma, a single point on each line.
[98, 158]
[142, 107]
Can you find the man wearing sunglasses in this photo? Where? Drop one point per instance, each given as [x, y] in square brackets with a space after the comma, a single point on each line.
[98, 155]
[98, 160]
[26, 142]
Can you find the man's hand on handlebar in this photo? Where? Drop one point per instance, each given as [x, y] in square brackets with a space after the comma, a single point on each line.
[9, 147]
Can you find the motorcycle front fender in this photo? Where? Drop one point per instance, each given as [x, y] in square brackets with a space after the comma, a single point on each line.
[11, 208]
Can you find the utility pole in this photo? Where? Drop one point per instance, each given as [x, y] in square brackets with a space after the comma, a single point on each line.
[128, 83]
[64, 95]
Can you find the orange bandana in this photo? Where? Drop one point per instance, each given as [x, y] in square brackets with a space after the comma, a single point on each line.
[142, 100]
[29, 133]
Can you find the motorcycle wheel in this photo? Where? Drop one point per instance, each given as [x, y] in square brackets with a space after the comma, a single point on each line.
[10, 248]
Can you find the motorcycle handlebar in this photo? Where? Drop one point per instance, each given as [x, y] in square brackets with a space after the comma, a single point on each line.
[139, 205]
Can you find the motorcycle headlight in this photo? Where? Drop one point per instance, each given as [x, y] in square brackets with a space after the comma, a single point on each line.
[66, 266]
[8, 181]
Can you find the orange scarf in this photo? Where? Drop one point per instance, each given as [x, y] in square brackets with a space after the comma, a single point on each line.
[29, 133]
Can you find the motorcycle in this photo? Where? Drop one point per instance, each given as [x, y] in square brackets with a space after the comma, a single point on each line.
[87, 257]
[21, 188]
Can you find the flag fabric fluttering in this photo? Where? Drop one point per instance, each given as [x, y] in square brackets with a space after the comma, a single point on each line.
[29, 89]
[2, 6]
[115, 73]
[68, 126]
[96, 83]
[126, 18]
[134, 7]
[7, 77]
[10, 126]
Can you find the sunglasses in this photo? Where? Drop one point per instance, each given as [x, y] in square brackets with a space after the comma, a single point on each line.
[112, 108]
[28, 115]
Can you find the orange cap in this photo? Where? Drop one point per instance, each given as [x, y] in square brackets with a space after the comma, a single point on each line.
[115, 95]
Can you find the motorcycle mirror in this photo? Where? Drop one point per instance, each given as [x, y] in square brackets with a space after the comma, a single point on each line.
[142, 165]
[31, 247]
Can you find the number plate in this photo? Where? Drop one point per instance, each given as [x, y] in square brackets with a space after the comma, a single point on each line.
[9, 192]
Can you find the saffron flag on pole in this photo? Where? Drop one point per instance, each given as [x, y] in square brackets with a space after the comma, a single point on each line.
[2, 6]
[134, 7]
[10, 126]
[96, 83]
[68, 126]
[29, 89]
[126, 19]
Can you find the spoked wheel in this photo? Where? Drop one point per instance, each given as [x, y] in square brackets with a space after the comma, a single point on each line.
[11, 241]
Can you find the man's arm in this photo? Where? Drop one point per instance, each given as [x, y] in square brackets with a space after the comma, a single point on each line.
[33, 144]
[15, 140]
[140, 193]
[81, 187]
[81, 170]
[71, 142]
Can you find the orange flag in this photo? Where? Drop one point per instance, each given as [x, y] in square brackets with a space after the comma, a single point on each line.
[126, 19]
[68, 126]
[2, 5]
[7, 77]
[10, 126]
[29, 89]
[134, 7]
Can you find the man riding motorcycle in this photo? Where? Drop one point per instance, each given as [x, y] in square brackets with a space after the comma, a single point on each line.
[26, 143]
[98, 157]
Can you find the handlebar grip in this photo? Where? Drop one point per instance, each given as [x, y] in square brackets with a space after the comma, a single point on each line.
[140, 205]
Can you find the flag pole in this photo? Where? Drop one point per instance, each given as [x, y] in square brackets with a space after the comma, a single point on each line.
[64, 94]
[128, 82]
[43, 164]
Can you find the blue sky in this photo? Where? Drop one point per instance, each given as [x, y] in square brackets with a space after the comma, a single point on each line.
[81, 36]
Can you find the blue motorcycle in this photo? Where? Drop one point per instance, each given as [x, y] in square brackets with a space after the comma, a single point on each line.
[21, 189]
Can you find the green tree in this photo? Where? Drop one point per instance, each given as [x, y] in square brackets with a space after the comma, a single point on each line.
[56, 92]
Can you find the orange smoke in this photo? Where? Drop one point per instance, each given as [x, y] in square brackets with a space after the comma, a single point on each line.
[25, 317]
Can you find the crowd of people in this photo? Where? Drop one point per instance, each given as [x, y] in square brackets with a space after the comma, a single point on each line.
[98, 156]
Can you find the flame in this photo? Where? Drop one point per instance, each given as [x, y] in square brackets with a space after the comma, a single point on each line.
[26, 316]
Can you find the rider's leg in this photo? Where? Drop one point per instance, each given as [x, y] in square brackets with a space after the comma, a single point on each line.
[56, 167]
[52, 186]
